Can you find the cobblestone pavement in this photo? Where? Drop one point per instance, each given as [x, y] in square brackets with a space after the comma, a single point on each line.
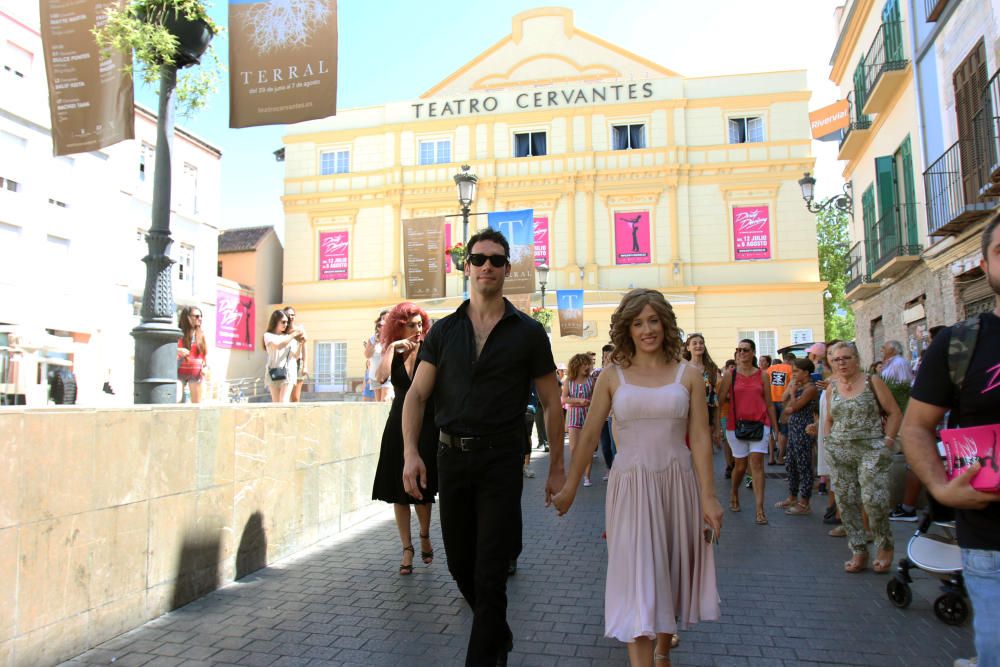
[786, 601]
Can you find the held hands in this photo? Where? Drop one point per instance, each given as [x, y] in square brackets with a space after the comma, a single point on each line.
[555, 486]
[414, 476]
[958, 492]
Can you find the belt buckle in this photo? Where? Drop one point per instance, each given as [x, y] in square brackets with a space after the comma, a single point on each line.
[463, 444]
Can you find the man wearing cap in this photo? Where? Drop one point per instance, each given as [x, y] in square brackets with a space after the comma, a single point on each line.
[479, 363]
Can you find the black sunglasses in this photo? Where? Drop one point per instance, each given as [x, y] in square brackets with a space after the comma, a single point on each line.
[478, 259]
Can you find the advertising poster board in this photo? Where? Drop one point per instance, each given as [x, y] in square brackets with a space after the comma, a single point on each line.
[424, 258]
[235, 314]
[519, 229]
[333, 255]
[632, 237]
[751, 233]
[570, 305]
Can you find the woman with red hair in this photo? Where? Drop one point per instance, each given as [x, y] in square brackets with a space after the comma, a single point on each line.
[402, 333]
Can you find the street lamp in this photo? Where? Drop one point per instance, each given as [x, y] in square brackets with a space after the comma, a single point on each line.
[543, 276]
[466, 182]
[843, 202]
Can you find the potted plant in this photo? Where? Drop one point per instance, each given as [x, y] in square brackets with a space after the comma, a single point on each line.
[457, 253]
[165, 32]
[543, 316]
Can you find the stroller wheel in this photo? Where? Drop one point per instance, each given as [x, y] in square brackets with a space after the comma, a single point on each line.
[899, 593]
[951, 608]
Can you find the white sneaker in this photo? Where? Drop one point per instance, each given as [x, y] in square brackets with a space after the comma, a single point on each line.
[529, 473]
[966, 662]
[586, 481]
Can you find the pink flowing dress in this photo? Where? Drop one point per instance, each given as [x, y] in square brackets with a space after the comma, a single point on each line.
[660, 570]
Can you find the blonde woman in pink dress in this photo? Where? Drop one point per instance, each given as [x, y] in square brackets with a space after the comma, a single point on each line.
[661, 510]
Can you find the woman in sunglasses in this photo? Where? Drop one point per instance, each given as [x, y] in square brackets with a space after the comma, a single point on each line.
[280, 341]
[402, 333]
[192, 355]
[750, 415]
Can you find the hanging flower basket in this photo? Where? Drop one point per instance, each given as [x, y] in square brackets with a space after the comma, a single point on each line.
[457, 253]
[543, 316]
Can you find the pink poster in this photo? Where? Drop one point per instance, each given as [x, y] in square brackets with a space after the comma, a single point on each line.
[235, 315]
[541, 240]
[632, 238]
[447, 244]
[751, 233]
[333, 256]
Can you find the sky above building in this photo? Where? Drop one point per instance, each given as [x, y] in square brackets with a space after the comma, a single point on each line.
[393, 50]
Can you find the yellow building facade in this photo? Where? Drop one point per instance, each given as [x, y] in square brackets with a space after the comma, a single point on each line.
[587, 135]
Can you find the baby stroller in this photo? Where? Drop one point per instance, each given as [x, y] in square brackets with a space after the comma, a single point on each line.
[934, 549]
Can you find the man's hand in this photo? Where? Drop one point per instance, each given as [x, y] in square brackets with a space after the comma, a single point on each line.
[958, 492]
[563, 501]
[414, 476]
[554, 484]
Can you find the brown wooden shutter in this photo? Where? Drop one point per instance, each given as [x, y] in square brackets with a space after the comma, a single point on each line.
[970, 81]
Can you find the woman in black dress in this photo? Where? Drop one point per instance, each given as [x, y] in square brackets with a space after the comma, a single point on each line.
[402, 333]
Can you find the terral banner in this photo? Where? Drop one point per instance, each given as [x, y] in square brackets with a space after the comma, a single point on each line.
[632, 238]
[90, 97]
[829, 119]
[518, 228]
[570, 305]
[424, 258]
[234, 319]
[282, 61]
[333, 255]
[751, 233]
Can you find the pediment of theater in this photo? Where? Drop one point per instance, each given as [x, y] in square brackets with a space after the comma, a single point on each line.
[544, 47]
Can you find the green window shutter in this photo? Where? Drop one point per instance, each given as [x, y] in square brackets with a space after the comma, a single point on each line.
[888, 207]
[869, 217]
[860, 92]
[892, 24]
[910, 205]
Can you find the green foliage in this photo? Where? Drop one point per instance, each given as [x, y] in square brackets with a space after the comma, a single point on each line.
[900, 391]
[138, 27]
[543, 316]
[833, 241]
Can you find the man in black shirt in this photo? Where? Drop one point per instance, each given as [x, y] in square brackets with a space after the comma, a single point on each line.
[478, 363]
[976, 402]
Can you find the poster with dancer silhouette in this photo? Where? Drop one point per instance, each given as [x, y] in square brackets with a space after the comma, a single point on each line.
[632, 237]
[751, 233]
[235, 314]
[333, 255]
[541, 241]
[519, 230]
[282, 61]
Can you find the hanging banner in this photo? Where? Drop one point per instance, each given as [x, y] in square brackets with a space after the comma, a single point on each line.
[90, 97]
[519, 229]
[751, 233]
[424, 258]
[333, 254]
[570, 305]
[282, 61]
[541, 241]
[632, 238]
[829, 120]
[235, 314]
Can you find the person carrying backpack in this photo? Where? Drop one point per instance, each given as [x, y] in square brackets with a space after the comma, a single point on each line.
[960, 372]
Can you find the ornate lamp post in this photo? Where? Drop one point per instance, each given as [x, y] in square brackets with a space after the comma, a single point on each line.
[156, 336]
[843, 202]
[466, 182]
[543, 276]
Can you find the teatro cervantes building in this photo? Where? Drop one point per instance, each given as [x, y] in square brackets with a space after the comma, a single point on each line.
[637, 176]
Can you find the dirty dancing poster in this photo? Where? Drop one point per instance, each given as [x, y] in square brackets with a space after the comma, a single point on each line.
[234, 320]
[751, 233]
[632, 237]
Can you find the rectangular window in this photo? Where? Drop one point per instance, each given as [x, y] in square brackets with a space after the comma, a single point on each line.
[17, 61]
[330, 372]
[58, 203]
[529, 144]
[625, 137]
[185, 269]
[766, 340]
[435, 151]
[189, 188]
[9, 184]
[800, 336]
[748, 130]
[147, 158]
[334, 162]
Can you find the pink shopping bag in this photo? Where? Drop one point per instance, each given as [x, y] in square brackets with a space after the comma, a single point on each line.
[965, 446]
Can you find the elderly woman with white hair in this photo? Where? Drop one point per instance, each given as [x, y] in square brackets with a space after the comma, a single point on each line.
[859, 452]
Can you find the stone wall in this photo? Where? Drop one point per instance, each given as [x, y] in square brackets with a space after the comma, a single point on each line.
[109, 518]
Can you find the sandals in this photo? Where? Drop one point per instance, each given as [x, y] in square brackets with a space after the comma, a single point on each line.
[761, 519]
[783, 504]
[426, 556]
[659, 657]
[882, 565]
[858, 563]
[798, 509]
[734, 504]
[406, 569]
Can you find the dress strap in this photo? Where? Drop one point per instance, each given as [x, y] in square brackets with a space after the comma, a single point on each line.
[621, 375]
[680, 372]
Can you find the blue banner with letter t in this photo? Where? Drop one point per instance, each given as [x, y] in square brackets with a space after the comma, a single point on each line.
[570, 305]
[518, 227]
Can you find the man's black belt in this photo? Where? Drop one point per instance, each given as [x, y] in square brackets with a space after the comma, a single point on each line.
[477, 442]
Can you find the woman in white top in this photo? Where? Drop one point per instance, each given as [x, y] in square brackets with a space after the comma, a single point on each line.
[281, 343]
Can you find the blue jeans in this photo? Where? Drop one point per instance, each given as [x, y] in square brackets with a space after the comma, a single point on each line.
[981, 570]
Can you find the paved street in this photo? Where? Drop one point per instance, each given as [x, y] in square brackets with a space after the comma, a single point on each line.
[786, 601]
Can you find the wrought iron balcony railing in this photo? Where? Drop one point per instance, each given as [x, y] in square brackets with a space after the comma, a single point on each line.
[885, 54]
[858, 120]
[933, 9]
[858, 269]
[896, 236]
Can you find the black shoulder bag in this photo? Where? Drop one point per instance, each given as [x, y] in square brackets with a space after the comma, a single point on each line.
[746, 429]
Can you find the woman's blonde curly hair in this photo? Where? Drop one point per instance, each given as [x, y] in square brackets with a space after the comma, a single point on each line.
[621, 321]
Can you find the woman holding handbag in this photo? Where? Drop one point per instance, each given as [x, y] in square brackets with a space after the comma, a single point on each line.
[192, 355]
[748, 421]
[280, 342]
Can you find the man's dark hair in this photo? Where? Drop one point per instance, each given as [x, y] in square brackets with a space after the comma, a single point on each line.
[988, 237]
[805, 365]
[489, 234]
[608, 348]
[788, 357]
[935, 330]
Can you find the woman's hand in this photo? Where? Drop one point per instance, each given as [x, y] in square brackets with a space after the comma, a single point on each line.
[822, 384]
[404, 345]
[183, 352]
[564, 499]
[711, 512]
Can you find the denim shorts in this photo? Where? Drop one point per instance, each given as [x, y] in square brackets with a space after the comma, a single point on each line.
[981, 570]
